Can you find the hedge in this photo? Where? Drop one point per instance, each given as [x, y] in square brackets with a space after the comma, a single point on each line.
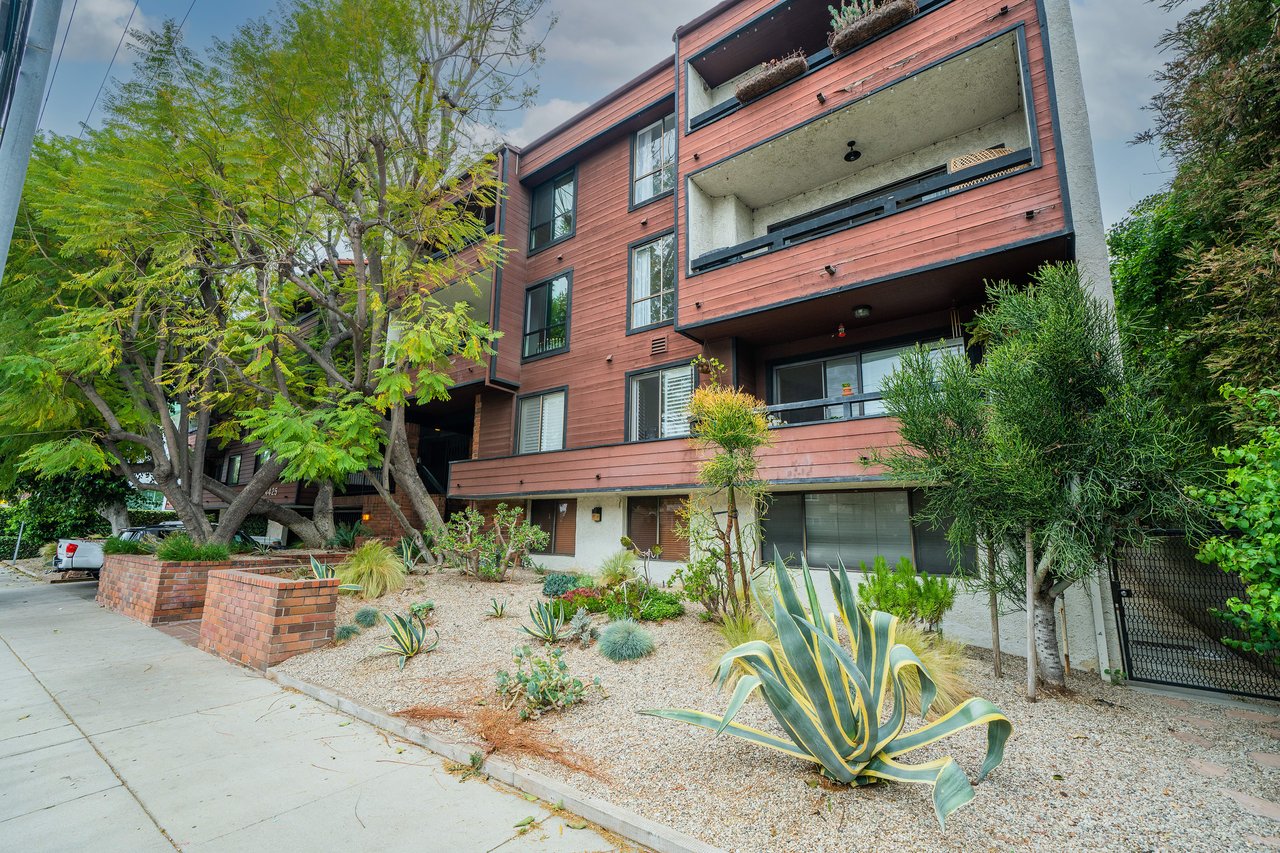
[30, 547]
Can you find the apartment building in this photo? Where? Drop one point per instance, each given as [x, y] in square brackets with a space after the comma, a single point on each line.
[803, 237]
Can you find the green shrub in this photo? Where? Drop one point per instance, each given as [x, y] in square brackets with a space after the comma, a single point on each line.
[116, 545]
[625, 640]
[375, 567]
[179, 548]
[556, 585]
[347, 632]
[659, 604]
[618, 568]
[489, 550]
[345, 535]
[422, 608]
[48, 551]
[907, 594]
[366, 617]
[150, 517]
[539, 684]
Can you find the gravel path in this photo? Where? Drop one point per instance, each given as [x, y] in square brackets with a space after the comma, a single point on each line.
[1100, 768]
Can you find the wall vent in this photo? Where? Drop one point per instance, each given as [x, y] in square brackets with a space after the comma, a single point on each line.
[658, 346]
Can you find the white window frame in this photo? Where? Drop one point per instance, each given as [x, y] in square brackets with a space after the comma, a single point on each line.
[634, 301]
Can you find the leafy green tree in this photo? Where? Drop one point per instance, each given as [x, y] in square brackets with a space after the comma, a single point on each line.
[1049, 449]
[1248, 508]
[62, 506]
[1195, 267]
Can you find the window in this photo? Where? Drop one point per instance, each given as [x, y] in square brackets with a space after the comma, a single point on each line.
[559, 518]
[653, 282]
[839, 376]
[551, 219]
[653, 161]
[660, 403]
[855, 527]
[231, 470]
[541, 424]
[652, 521]
[546, 317]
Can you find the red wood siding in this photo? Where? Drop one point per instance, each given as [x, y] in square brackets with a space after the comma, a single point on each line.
[509, 296]
[639, 94]
[279, 493]
[818, 452]
[980, 219]
[599, 258]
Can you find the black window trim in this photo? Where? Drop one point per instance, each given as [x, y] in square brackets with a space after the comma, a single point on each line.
[675, 279]
[551, 534]
[626, 390]
[573, 229]
[658, 521]
[515, 427]
[568, 316]
[632, 204]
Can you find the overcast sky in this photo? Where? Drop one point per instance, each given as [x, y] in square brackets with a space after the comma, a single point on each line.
[594, 49]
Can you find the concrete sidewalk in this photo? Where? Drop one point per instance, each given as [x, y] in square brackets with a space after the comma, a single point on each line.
[115, 737]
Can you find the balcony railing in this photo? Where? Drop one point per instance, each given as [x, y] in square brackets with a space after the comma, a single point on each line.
[860, 212]
[846, 407]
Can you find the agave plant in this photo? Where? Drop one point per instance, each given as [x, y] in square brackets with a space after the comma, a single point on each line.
[548, 623]
[322, 571]
[497, 609]
[831, 702]
[408, 636]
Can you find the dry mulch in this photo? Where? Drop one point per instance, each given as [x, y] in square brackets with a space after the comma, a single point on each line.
[1097, 768]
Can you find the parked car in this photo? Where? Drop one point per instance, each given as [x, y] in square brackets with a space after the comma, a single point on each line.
[85, 555]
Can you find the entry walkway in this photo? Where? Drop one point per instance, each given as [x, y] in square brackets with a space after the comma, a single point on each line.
[116, 737]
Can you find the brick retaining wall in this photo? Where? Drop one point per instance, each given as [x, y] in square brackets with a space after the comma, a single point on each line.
[154, 591]
[257, 619]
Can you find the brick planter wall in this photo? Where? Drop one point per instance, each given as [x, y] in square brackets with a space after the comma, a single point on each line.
[286, 558]
[152, 591]
[256, 619]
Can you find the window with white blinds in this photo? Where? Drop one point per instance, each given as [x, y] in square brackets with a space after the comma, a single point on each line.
[660, 403]
[541, 423]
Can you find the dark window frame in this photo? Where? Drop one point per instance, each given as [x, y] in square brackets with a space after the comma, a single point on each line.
[564, 426]
[567, 275]
[549, 185]
[632, 202]
[632, 248]
[628, 407]
[231, 469]
[657, 501]
[550, 550]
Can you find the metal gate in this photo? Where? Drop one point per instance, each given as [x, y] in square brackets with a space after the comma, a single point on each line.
[1164, 599]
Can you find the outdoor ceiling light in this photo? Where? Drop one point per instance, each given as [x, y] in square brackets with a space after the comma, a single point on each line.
[853, 153]
[862, 312]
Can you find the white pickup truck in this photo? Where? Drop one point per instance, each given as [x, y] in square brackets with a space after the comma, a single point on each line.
[85, 555]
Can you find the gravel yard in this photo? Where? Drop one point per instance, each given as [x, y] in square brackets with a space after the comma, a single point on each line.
[1100, 768]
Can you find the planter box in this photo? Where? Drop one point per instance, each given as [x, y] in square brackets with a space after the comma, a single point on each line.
[257, 619]
[872, 24]
[154, 591]
[771, 77]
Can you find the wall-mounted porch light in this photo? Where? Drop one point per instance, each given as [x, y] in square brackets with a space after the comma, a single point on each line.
[597, 513]
[365, 517]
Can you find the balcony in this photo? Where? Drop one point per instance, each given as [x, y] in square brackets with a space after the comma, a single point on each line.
[826, 452]
[952, 127]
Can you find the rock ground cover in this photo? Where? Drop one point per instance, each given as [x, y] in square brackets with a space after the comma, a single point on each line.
[1098, 768]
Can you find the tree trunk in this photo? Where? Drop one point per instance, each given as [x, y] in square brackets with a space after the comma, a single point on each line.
[409, 530]
[1031, 610]
[303, 527]
[405, 468]
[322, 512]
[993, 604]
[242, 504]
[117, 514]
[1046, 635]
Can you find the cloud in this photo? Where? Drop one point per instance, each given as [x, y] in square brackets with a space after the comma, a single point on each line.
[97, 26]
[540, 118]
[607, 44]
[1118, 60]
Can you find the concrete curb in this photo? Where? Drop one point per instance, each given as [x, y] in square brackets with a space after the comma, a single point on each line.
[12, 565]
[616, 819]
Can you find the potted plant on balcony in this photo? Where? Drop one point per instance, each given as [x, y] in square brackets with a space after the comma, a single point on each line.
[773, 73]
[857, 21]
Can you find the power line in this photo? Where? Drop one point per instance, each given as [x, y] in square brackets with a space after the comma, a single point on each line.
[54, 76]
[103, 85]
[184, 17]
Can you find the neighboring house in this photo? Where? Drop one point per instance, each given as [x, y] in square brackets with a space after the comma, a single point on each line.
[802, 238]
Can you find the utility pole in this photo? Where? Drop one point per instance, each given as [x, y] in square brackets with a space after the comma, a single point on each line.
[24, 114]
